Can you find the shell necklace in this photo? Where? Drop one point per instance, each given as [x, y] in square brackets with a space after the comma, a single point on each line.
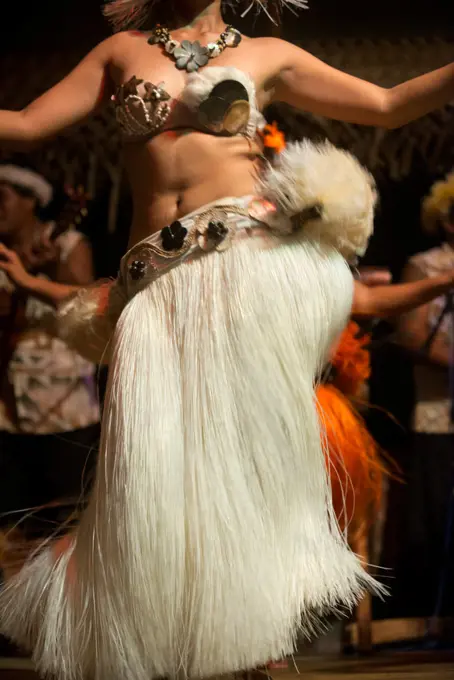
[190, 56]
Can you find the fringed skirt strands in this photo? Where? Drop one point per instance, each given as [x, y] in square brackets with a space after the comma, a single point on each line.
[210, 539]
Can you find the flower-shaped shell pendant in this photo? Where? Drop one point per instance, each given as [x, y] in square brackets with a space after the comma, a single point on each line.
[190, 56]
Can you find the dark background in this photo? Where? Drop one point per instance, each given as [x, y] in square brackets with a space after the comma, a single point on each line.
[47, 23]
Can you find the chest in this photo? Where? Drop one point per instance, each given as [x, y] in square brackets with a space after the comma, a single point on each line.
[152, 96]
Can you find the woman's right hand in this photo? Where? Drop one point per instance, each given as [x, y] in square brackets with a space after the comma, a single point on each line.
[12, 265]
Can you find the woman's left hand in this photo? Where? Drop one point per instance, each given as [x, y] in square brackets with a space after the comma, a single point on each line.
[12, 265]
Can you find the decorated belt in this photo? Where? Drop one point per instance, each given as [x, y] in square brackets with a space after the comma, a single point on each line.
[210, 228]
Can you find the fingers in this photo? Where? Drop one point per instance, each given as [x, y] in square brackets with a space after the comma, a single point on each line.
[5, 266]
[8, 258]
[30, 257]
[6, 255]
[10, 262]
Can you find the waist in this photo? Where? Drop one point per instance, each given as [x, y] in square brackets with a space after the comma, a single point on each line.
[167, 190]
[211, 227]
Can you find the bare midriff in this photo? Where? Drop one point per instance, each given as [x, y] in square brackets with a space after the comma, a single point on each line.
[178, 172]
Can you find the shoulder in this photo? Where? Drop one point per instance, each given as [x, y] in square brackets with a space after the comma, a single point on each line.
[279, 46]
[272, 44]
[117, 43]
[280, 56]
[68, 241]
[275, 48]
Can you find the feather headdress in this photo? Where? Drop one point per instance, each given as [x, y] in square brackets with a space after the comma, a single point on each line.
[132, 13]
[438, 204]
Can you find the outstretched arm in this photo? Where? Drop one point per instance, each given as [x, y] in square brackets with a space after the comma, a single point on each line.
[70, 101]
[308, 83]
[393, 300]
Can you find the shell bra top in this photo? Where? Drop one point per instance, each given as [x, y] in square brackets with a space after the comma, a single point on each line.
[219, 101]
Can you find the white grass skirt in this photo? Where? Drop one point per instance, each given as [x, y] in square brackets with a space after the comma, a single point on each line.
[210, 538]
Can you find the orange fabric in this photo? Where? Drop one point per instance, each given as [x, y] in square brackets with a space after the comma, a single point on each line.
[351, 360]
[273, 138]
[352, 457]
[355, 468]
[103, 293]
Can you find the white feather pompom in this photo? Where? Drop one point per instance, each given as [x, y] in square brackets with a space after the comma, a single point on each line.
[133, 13]
[325, 191]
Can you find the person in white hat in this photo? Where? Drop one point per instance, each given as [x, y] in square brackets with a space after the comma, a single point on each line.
[49, 411]
[26, 242]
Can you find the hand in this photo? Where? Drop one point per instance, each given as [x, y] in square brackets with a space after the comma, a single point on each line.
[11, 264]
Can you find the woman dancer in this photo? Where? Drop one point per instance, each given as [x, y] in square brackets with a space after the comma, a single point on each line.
[192, 556]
